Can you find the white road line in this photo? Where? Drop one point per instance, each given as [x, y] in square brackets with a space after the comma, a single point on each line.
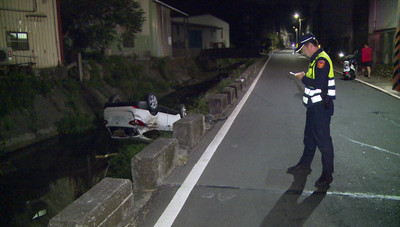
[360, 195]
[174, 207]
[371, 146]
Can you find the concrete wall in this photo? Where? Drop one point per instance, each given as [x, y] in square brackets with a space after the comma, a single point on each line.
[382, 44]
[152, 165]
[382, 15]
[155, 39]
[211, 34]
[213, 31]
[109, 203]
[383, 20]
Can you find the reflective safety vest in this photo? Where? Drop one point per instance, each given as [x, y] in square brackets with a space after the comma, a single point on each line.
[312, 95]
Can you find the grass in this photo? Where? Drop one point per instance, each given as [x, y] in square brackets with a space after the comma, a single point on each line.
[224, 83]
[120, 165]
[160, 63]
[18, 90]
[199, 106]
[74, 124]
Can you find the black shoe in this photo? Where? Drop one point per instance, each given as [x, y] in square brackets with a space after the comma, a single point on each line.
[324, 180]
[299, 169]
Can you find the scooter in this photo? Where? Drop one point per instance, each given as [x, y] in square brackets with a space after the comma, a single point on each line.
[349, 66]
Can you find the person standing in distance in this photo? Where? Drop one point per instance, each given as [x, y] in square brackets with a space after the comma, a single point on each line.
[319, 93]
[366, 59]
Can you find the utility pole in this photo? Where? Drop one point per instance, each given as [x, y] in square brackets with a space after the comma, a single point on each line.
[396, 64]
[300, 19]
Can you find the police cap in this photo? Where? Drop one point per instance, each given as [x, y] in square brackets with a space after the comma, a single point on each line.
[304, 39]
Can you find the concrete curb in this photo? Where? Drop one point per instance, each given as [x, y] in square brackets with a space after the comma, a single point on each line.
[219, 102]
[389, 92]
[378, 88]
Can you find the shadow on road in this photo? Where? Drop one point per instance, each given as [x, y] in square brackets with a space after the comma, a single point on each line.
[288, 211]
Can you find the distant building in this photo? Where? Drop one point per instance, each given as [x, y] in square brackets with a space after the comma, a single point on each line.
[203, 32]
[32, 30]
[155, 39]
[383, 19]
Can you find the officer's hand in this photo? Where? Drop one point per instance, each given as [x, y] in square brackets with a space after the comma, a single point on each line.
[299, 75]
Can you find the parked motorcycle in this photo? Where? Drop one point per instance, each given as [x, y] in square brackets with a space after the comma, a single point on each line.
[349, 66]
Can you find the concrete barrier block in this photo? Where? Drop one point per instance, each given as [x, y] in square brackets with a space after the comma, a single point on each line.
[218, 103]
[108, 203]
[151, 166]
[247, 77]
[189, 130]
[252, 71]
[238, 85]
[234, 86]
[230, 91]
[242, 80]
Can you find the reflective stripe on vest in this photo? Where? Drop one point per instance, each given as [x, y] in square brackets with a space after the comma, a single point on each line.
[312, 95]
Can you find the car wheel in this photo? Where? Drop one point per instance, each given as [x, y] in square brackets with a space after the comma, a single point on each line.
[182, 110]
[115, 99]
[152, 102]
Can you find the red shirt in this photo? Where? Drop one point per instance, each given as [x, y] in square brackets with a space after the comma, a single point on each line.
[366, 54]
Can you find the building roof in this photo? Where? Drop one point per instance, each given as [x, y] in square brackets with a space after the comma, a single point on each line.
[172, 8]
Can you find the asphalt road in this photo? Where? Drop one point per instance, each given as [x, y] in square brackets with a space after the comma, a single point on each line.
[242, 180]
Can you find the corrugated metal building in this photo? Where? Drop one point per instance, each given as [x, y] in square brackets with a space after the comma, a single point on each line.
[31, 28]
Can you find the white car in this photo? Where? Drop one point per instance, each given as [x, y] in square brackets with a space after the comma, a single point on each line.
[129, 120]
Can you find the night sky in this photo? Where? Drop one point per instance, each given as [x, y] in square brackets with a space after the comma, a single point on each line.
[332, 21]
[249, 20]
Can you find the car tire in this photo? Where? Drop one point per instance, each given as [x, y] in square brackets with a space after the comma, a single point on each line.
[152, 103]
[115, 99]
[182, 110]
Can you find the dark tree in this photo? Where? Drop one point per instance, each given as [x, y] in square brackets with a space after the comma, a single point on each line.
[93, 23]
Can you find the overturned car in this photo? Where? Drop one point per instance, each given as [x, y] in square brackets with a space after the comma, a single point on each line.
[130, 120]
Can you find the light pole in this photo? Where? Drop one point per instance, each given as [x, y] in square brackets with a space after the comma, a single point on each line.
[296, 31]
[300, 19]
[297, 16]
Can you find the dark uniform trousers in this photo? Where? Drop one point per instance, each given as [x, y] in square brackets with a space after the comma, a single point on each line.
[317, 133]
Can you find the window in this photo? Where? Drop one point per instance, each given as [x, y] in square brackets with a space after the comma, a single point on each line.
[128, 41]
[18, 40]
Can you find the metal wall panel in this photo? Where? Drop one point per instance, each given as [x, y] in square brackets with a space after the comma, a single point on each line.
[38, 18]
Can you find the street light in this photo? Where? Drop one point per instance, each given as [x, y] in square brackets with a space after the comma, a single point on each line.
[296, 31]
[297, 16]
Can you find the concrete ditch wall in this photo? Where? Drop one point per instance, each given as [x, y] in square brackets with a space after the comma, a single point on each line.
[110, 202]
[219, 102]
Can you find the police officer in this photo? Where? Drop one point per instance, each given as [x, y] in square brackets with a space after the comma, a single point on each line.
[318, 96]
